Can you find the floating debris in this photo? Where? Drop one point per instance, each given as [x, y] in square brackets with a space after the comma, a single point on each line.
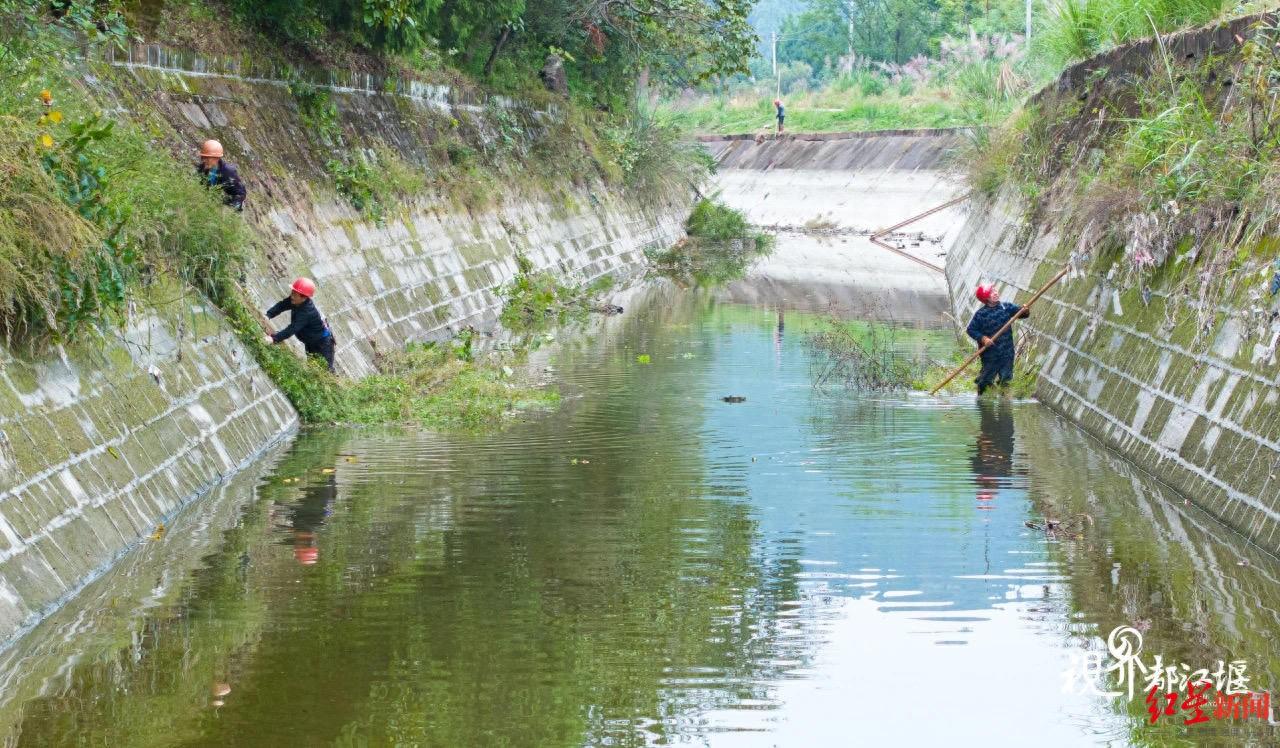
[734, 399]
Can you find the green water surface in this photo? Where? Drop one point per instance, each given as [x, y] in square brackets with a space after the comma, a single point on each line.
[650, 565]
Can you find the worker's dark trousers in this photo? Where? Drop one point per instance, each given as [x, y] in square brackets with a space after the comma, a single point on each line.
[323, 349]
[1001, 369]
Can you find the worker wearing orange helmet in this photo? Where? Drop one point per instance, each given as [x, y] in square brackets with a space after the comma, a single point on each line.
[305, 321]
[218, 173]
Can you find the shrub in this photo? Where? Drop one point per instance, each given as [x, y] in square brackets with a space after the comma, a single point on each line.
[871, 85]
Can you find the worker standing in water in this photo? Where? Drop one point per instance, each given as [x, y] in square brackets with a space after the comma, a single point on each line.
[306, 322]
[781, 113]
[216, 172]
[998, 353]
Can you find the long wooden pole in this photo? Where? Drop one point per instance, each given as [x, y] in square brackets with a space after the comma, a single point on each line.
[1052, 282]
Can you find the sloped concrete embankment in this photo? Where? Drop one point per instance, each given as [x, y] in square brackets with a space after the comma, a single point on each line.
[1186, 391]
[101, 442]
[428, 267]
[824, 195]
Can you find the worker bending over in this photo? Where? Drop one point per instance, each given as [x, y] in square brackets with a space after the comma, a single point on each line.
[305, 322]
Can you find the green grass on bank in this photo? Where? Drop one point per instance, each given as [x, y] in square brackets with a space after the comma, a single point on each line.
[748, 114]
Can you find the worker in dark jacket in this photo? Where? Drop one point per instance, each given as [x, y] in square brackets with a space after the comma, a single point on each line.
[305, 322]
[997, 353]
[218, 173]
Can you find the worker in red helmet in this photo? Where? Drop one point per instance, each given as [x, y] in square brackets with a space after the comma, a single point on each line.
[782, 113]
[215, 172]
[997, 353]
[305, 322]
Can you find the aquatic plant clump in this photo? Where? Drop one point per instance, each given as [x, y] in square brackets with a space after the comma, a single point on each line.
[537, 300]
[439, 385]
[719, 246]
[865, 356]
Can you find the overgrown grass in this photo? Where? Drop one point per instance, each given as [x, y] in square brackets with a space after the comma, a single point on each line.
[720, 246]
[1078, 29]
[1026, 376]
[93, 210]
[431, 385]
[970, 82]
[442, 386]
[850, 112]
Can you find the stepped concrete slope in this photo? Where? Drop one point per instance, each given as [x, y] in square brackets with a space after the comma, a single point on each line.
[1196, 405]
[101, 442]
[824, 195]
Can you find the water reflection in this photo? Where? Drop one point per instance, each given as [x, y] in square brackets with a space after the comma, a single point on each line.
[304, 518]
[992, 462]
[652, 565]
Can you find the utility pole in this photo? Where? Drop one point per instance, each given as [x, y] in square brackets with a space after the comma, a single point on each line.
[1029, 27]
[849, 10]
[777, 81]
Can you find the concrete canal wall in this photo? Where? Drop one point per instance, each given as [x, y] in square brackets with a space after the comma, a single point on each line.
[1183, 384]
[101, 442]
[824, 195]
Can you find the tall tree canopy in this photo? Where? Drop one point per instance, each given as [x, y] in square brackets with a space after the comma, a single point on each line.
[888, 30]
[606, 42]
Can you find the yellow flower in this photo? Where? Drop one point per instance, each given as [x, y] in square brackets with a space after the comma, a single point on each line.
[46, 140]
[55, 116]
[46, 97]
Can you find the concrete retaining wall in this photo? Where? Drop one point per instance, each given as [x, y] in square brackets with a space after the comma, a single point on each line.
[1204, 419]
[429, 267]
[1180, 379]
[102, 441]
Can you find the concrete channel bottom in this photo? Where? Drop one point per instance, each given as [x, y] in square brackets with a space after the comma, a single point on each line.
[824, 259]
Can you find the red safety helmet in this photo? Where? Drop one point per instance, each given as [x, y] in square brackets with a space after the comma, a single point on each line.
[304, 286]
[777, 102]
[307, 556]
[984, 293]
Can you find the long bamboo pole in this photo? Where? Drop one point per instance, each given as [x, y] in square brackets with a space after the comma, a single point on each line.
[1036, 296]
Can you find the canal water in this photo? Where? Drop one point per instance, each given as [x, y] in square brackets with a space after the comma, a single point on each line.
[651, 565]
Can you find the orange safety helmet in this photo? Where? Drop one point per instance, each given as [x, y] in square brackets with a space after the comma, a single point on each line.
[777, 102]
[304, 286]
[210, 149]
